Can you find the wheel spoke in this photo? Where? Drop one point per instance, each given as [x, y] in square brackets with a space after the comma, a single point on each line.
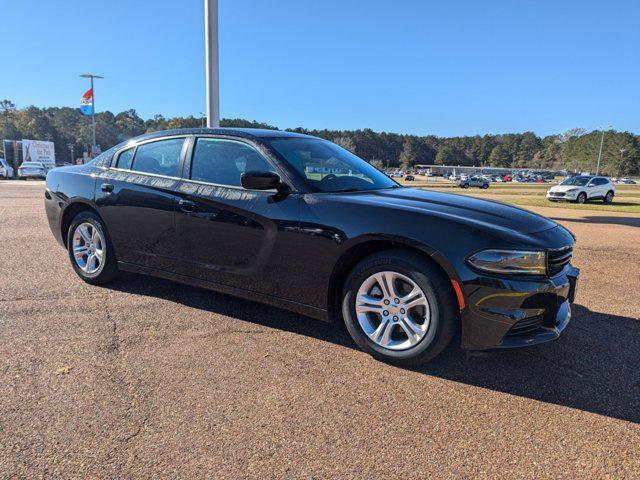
[367, 303]
[386, 280]
[386, 336]
[95, 236]
[413, 299]
[412, 335]
[84, 233]
[375, 336]
[99, 254]
[410, 327]
[91, 263]
[80, 251]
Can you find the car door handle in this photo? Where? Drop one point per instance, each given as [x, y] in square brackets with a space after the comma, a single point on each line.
[187, 206]
[106, 187]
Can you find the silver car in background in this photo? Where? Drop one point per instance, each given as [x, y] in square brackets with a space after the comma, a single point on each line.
[32, 170]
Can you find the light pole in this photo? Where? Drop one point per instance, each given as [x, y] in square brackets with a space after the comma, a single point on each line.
[600, 153]
[93, 108]
[202, 117]
[212, 67]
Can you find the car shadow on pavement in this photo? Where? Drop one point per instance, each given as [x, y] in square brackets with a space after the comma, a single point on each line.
[593, 366]
[627, 221]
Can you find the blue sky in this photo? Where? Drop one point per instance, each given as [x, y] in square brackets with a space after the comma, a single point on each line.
[407, 66]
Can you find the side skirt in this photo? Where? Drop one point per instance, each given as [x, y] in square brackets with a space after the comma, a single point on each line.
[301, 308]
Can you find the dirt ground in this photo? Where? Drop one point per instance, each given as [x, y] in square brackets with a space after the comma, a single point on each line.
[146, 378]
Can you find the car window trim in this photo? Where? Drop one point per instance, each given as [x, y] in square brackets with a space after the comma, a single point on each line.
[186, 171]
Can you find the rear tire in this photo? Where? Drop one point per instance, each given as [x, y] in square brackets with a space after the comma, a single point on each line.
[435, 314]
[88, 236]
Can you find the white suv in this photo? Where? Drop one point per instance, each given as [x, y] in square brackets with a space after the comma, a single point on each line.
[581, 188]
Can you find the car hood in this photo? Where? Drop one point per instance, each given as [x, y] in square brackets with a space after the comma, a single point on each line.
[469, 210]
[564, 188]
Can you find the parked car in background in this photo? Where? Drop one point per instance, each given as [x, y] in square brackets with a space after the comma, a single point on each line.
[32, 170]
[474, 182]
[507, 178]
[627, 181]
[240, 210]
[396, 175]
[409, 178]
[583, 188]
[6, 171]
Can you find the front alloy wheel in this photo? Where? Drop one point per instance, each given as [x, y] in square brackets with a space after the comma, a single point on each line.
[398, 306]
[392, 310]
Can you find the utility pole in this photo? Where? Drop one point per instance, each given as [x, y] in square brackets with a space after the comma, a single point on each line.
[212, 64]
[600, 153]
[202, 117]
[93, 109]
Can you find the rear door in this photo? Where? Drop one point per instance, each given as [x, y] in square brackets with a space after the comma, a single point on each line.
[230, 235]
[136, 197]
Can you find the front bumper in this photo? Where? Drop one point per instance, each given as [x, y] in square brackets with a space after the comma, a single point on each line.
[505, 313]
[567, 197]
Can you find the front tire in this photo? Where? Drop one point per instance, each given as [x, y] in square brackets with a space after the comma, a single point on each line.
[581, 198]
[608, 198]
[399, 307]
[90, 249]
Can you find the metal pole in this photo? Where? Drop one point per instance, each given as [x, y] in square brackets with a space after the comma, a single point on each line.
[93, 116]
[212, 67]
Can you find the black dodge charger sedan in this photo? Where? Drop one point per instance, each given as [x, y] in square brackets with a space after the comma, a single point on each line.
[300, 223]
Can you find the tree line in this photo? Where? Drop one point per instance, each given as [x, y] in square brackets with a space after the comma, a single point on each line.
[575, 150]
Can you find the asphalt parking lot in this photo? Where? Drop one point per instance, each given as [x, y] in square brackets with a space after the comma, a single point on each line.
[147, 378]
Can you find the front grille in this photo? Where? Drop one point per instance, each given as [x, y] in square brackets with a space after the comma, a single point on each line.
[525, 326]
[558, 194]
[557, 259]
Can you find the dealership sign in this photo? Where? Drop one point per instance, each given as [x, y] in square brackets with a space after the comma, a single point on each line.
[38, 151]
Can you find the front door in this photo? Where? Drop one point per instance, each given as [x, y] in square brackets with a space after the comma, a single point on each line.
[230, 235]
[137, 201]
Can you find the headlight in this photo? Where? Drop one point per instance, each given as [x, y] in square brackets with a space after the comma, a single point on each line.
[522, 262]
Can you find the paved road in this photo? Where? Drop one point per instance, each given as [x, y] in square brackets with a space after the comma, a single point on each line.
[146, 378]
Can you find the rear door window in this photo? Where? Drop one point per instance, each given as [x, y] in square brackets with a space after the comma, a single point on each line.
[159, 158]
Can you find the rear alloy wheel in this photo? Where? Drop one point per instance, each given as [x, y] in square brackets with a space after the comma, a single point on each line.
[90, 249]
[608, 198]
[399, 307]
[581, 198]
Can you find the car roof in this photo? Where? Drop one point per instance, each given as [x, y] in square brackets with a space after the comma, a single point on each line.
[251, 133]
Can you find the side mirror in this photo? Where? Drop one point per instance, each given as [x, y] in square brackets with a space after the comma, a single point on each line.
[261, 181]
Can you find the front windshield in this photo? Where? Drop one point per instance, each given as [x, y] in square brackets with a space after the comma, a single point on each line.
[577, 181]
[328, 167]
